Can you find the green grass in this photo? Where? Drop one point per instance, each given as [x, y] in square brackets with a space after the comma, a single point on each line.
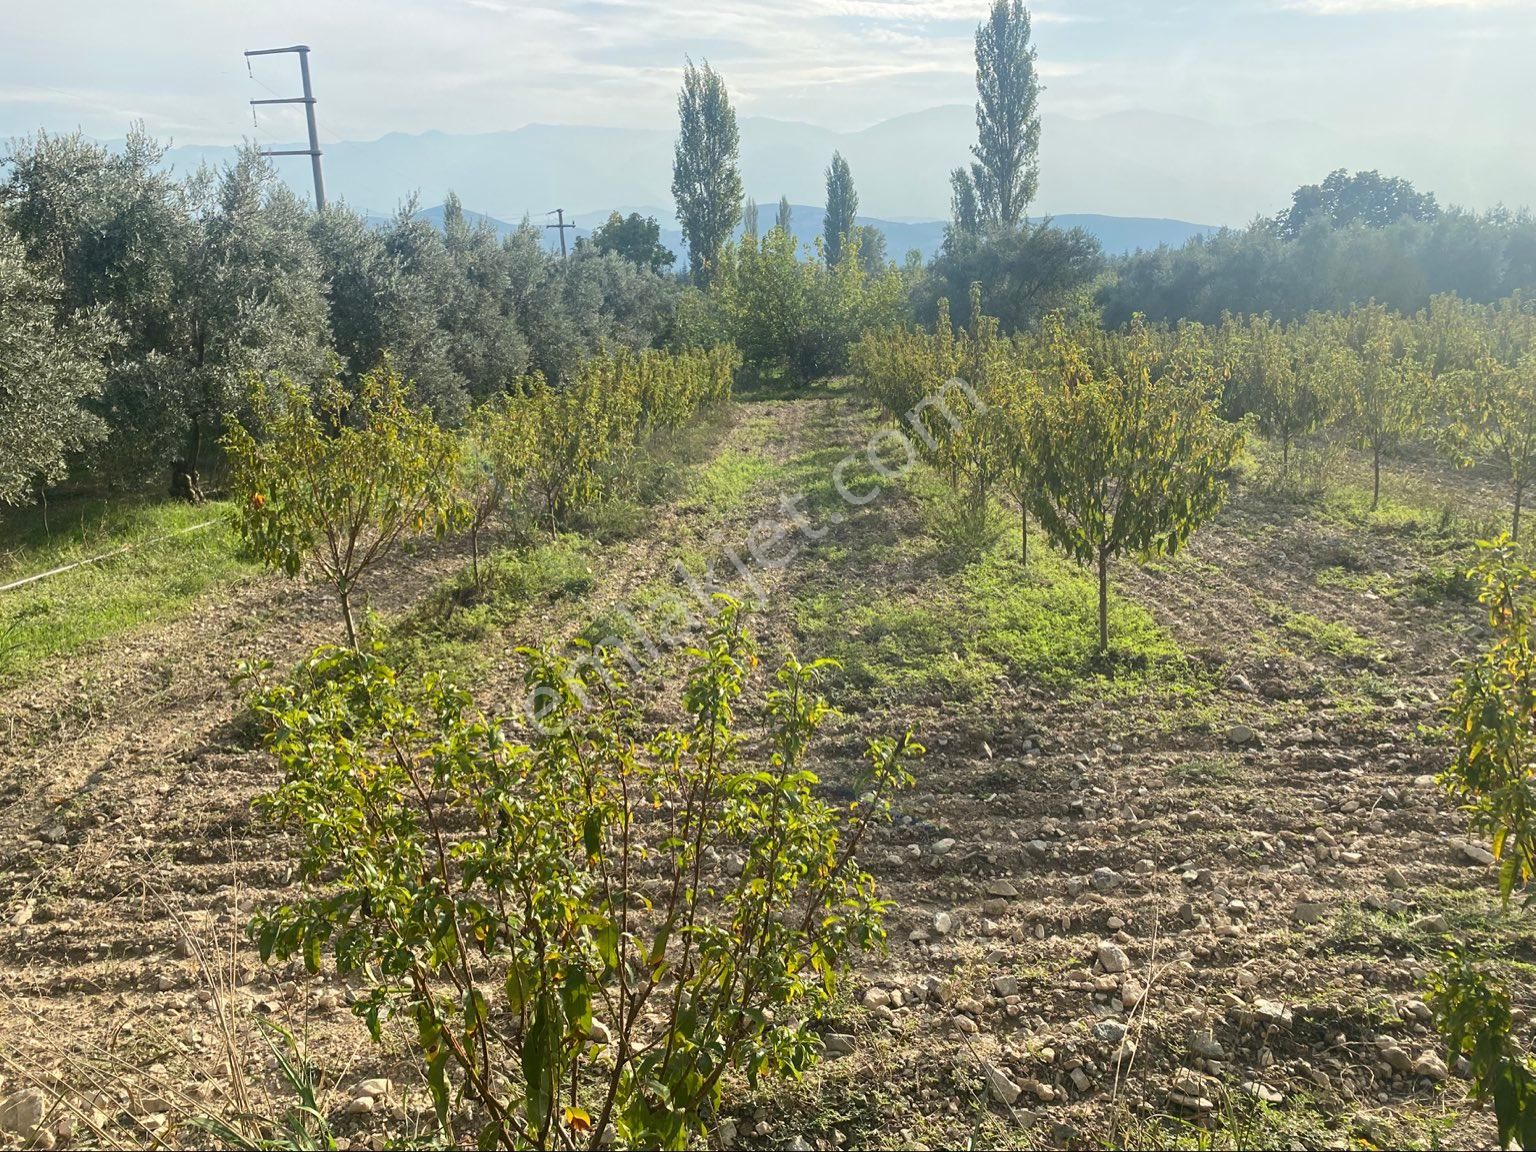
[66, 613]
[1221, 769]
[1319, 636]
[723, 485]
[955, 626]
[450, 630]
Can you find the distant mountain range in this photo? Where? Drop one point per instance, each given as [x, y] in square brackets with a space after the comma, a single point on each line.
[1137, 165]
[1118, 234]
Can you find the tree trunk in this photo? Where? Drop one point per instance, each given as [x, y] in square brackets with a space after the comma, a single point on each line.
[1285, 460]
[1103, 602]
[474, 553]
[1375, 477]
[1514, 531]
[346, 614]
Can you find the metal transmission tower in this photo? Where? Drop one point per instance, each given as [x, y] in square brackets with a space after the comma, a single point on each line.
[562, 226]
[308, 100]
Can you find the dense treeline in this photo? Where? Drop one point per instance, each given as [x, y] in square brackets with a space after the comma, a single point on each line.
[1346, 242]
[180, 290]
[139, 306]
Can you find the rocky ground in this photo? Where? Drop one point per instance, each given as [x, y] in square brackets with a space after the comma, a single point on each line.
[1189, 906]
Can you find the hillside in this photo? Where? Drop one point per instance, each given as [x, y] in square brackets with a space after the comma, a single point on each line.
[1142, 165]
[1118, 234]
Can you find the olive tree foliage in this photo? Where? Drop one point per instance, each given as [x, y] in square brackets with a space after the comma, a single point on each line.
[336, 481]
[49, 372]
[1005, 173]
[842, 208]
[706, 176]
[1133, 455]
[207, 280]
[110, 230]
[466, 315]
[249, 300]
[545, 902]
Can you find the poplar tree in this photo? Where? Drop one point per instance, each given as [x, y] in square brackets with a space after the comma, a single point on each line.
[1006, 171]
[785, 217]
[842, 206]
[706, 174]
[964, 212]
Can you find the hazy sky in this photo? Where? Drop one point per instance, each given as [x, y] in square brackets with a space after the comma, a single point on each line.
[1440, 68]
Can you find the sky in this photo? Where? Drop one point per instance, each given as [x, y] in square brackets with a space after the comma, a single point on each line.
[1452, 74]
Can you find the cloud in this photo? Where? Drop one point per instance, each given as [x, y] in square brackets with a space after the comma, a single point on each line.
[1387, 7]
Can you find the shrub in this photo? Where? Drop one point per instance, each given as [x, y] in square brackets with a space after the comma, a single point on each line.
[593, 927]
[339, 487]
[1491, 773]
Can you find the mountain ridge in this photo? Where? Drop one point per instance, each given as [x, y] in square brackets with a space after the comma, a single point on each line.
[1139, 164]
[1118, 234]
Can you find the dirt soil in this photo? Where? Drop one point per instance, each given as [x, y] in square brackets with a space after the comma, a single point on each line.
[1121, 919]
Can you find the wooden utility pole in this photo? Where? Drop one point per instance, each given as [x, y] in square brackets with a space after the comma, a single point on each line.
[562, 226]
[308, 100]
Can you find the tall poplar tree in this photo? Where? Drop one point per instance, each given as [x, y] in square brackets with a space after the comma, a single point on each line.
[785, 217]
[842, 207]
[706, 174]
[1006, 171]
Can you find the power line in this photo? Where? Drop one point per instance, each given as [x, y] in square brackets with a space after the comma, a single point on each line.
[308, 100]
[562, 226]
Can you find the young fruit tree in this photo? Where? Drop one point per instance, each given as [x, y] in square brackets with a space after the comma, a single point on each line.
[1132, 454]
[1492, 405]
[337, 481]
[589, 923]
[1283, 374]
[1493, 776]
[495, 463]
[1383, 385]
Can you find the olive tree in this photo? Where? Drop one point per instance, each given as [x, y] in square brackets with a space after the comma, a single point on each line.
[48, 372]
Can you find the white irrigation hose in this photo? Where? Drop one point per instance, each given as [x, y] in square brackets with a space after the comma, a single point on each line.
[107, 555]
